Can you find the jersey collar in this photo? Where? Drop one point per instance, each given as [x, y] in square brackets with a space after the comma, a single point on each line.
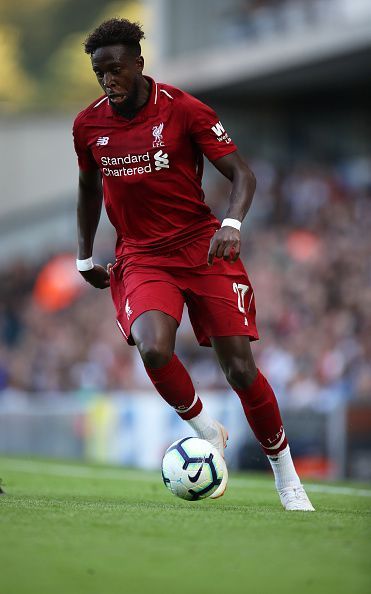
[149, 108]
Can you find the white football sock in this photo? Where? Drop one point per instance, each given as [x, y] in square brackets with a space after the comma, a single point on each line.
[283, 467]
[204, 426]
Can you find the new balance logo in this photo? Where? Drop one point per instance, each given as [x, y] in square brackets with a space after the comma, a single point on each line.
[220, 133]
[102, 140]
[161, 160]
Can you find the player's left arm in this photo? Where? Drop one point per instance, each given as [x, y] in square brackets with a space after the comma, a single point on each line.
[226, 242]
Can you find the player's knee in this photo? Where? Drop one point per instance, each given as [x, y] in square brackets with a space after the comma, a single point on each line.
[154, 356]
[239, 374]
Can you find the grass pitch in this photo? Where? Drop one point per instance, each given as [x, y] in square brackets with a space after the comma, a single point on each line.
[75, 529]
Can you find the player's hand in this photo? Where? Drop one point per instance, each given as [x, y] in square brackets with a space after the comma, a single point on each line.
[225, 244]
[98, 276]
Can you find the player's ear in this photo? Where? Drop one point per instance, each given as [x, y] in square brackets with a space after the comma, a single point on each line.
[140, 63]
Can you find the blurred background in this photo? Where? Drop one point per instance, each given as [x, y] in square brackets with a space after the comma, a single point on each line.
[291, 82]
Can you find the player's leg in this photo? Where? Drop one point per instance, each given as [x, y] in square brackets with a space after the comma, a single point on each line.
[262, 412]
[154, 334]
[221, 304]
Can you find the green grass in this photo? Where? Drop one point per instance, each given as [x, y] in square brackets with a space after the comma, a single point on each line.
[73, 529]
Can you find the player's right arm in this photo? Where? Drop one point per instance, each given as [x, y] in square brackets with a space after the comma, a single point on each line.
[89, 206]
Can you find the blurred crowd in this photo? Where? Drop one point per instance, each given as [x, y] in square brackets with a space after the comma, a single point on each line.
[258, 19]
[307, 248]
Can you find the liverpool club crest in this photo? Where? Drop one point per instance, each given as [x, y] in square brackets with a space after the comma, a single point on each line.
[157, 135]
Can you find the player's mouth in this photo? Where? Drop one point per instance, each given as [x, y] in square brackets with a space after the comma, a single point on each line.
[117, 98]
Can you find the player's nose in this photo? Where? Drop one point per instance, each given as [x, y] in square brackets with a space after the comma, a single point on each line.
[108, 81]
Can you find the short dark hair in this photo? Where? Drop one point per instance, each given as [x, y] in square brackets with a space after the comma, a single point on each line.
[115, 31]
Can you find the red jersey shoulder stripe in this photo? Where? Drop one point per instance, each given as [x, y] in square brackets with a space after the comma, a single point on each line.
[166, 93]
[101, 101]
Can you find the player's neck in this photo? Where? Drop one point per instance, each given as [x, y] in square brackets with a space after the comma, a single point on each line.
[135, 103]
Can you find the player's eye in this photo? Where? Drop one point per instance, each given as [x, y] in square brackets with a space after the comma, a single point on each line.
[98, 74]
[116, 70]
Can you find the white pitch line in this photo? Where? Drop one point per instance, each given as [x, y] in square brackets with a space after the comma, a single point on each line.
[78, 471]
[73, 471]
[315, 488]
[338, 490]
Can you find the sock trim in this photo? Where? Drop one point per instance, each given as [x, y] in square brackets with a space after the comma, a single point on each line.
[182, 410]
[278, 444]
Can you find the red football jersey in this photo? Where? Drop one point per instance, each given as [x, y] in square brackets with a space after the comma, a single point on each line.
[152, 167]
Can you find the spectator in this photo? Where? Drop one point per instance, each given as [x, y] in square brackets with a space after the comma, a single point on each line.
[312, 275]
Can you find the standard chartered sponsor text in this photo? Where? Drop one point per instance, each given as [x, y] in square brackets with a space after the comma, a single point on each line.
[126, 160]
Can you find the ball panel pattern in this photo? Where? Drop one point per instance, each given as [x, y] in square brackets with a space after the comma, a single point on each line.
[192, 468]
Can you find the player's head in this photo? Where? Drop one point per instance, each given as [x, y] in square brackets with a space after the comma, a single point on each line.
[114, 48]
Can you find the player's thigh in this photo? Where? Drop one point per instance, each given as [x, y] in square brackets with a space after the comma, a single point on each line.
[149, 307]
[155, 330]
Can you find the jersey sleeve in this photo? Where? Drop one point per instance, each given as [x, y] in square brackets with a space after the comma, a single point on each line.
[207, 130]
[84, 155]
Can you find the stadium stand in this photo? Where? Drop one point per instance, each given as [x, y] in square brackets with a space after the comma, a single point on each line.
[308, 247]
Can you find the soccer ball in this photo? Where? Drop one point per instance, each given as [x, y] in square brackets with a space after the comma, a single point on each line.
[192, 468]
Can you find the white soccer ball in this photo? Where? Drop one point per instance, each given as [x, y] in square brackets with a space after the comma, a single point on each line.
[192, 468]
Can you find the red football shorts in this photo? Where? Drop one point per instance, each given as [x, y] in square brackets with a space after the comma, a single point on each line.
[220, 298]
